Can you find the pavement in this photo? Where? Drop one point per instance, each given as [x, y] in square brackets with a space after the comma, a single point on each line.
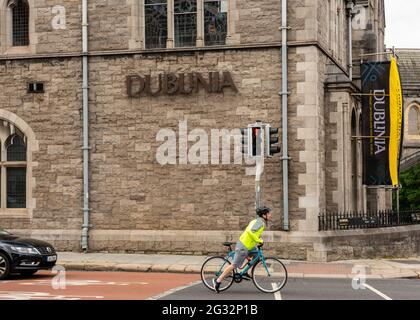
[349, 269]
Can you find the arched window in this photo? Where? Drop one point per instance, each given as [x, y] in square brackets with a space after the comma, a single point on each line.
[414, 121]
[16, 171]
[20, 22]
[13, 168]
[16, 148]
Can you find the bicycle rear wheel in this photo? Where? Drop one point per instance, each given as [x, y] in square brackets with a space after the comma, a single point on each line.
[269, 275]
[212, 268]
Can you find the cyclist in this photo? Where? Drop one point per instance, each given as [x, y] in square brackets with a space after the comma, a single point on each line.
[246, 245]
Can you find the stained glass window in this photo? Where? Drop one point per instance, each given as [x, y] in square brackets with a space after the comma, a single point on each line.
[16, 149]
[156, 23]
[185, 19]
[13, 167]
[16, 187]
[20, 22]
[413, 121]
[215, 22]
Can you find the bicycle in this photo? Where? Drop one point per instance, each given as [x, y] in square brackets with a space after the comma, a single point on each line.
[268, 274]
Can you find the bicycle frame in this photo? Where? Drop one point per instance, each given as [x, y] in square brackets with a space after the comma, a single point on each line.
[260, 255]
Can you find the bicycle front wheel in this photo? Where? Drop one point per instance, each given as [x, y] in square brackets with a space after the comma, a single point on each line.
[269, 275]
[212, 268]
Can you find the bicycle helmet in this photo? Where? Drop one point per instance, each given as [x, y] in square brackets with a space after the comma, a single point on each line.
[262, 210]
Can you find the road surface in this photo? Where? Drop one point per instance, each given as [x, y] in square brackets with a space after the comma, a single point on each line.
[172, 286]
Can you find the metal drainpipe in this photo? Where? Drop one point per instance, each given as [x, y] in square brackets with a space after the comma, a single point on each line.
[86, 225]
[350, 6]
[284, 103]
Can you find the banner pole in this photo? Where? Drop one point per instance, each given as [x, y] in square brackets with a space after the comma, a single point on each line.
[369, 137]
[370, 94]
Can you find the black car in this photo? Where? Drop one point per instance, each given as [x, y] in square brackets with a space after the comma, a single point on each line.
[24, 256]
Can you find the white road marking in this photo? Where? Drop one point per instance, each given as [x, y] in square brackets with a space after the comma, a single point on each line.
[277, 295]
[13, 295]
[81, 283]
[382, 295]
[169, 292]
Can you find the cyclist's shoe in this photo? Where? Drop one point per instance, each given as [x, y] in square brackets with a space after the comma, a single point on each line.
[216, 285]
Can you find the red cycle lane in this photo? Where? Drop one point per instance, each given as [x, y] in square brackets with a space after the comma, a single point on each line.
[75, 285]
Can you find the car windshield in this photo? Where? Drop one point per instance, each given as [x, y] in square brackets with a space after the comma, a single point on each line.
[3, 232]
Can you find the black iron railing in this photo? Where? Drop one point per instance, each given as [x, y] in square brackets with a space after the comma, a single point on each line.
[363, 220]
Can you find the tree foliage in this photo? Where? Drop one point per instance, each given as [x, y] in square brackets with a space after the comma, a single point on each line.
[410, 192]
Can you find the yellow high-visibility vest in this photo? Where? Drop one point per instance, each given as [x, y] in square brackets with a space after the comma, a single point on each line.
[251, 236]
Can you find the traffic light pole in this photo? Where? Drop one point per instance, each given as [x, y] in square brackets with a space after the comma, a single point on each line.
[258, 173]
[259, 140]
[259, 165]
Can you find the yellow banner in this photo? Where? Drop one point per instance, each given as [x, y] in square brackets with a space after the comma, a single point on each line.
[396, 118]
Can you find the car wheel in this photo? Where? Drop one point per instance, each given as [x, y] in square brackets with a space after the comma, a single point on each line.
[4, 266]
[28, 272]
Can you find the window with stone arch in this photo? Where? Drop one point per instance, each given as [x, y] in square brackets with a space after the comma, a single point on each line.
[19, 10]
[413, 128]
[18, 144]
[13, 166]
[184, 23]
[17, 26]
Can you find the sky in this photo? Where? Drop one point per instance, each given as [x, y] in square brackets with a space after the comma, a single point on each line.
[402, 23]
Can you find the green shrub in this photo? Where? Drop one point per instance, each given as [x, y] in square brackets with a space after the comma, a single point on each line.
[410, 192]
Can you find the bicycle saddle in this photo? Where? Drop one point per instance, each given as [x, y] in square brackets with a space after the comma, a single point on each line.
[228, 244]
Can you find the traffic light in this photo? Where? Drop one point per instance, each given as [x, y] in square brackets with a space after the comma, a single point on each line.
[252, 140]
[244, 140]
[272, 141]
[257, 139]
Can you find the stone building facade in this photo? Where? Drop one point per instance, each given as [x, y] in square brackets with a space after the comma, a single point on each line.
[136, 203]
[410, 69]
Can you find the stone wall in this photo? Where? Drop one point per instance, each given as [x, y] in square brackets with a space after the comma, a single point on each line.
[44, 37]
[118, 25]
[369, 30]
[332, 29]
[55, 118]
[131, 190]
[395, 242]
[331, 152]
[52, 40]
[109, 27]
